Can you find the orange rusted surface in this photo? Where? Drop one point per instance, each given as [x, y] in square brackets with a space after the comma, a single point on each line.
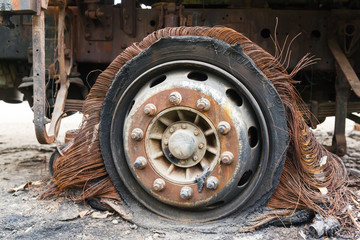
[148, 175]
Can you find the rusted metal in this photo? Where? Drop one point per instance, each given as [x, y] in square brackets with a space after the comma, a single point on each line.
[40, 121]
[148, 175]
[342, 95]
[345, 66]
[20, 6]
[64, 84]
[128, 17]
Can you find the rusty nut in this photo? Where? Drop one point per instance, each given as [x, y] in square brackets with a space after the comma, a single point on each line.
[159, 185]
[137, 134]
[140, 163]
[224, 128]
[212, 183]
[150, 109]
[227, 158]
[186, 193]
[175, 98]
[203, 104]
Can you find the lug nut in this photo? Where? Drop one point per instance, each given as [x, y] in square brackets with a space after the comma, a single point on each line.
[201, 145]
[172, 130]
[183, 126]
[203, 104]
[186, 193]
[195, 158]
[227, 158]
[140, 163]
[196, 132]
[159, 185]
[150, 109]
[175, 98]
[137, 134]
[224, 127]
[166, 142]
[212, 183]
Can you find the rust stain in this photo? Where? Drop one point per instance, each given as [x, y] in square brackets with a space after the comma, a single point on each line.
[147, 176]
[16, 4]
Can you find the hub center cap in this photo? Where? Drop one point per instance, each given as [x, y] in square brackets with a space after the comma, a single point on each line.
[182, 144]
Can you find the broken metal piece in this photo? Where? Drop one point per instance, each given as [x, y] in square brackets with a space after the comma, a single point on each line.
[324, 227]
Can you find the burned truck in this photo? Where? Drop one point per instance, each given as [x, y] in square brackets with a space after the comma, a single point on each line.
[185, 118]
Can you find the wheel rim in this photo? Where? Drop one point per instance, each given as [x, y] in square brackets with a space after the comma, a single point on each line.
[234, 171]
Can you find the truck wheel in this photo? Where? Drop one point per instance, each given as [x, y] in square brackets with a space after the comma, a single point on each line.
[193, 130]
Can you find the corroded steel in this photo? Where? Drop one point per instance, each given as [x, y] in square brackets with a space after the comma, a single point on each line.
[147, 176]
[20, 6]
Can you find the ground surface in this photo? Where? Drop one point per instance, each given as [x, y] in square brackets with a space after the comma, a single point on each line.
[23, 216]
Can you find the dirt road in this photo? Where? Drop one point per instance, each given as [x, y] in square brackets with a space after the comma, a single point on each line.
[23, 216]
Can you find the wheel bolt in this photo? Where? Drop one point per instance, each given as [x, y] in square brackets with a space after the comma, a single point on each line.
[224, 127]
[183, 126]
[140, 163]
[172, 130]
[203, 104]
[195, 158]
[137, 134]
[175, 98]
[227, 158]
[201, 145]
[150, 109]
[212, 183]
[196, 132]
[166, 142]
[186, 193]
[159, 185]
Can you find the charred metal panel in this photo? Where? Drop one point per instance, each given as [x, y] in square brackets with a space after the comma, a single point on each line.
[257, 24]
[15, 42]
[20, 6]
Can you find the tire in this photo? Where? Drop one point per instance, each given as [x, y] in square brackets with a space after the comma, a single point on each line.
[252, 100]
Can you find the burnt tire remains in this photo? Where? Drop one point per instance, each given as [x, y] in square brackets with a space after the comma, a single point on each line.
[192, 130]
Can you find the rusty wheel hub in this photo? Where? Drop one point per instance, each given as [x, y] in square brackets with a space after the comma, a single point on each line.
[183, 143]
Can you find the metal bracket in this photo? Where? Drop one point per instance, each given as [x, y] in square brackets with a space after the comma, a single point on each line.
[345, 66]
[40, 121]
[346, 78]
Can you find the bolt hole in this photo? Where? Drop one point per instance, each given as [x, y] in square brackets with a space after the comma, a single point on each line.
[234, 97]
[157, 81]
[253, 136]
[152, 23]
[245, 178]
[215, 205]
[349, 29]
[316, 34]
[198, 76]
[265, 33]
